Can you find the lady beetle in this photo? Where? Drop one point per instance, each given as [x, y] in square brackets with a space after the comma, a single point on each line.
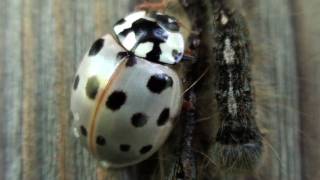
[152, 36]
[123, 104]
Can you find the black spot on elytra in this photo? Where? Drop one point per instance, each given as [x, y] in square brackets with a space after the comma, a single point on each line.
[76, 82]
[96, 47]
[83, 130]
[139, 119]
[148, 31]
[116, 100]
[163, 117]
[159, 82]
[100, 140]
[145, 149]
[124, 147]
[92, 87]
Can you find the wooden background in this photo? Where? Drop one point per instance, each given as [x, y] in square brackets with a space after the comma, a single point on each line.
[42, 41]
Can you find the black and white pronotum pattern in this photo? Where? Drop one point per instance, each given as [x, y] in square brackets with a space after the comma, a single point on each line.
[154, 37]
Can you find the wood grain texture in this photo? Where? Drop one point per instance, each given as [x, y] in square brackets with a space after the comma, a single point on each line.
[307, 42]
[273, 37]
[42, 42]
[11, 89]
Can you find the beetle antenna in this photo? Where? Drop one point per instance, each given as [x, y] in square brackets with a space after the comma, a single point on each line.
[197, 80]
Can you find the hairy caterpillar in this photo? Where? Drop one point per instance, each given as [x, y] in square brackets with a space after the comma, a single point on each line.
[238, 144]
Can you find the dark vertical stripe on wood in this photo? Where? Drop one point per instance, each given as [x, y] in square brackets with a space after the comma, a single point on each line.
[29, 156]
[60, 89]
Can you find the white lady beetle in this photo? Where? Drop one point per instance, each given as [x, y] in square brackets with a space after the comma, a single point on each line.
[152, 36]
[123, 105]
